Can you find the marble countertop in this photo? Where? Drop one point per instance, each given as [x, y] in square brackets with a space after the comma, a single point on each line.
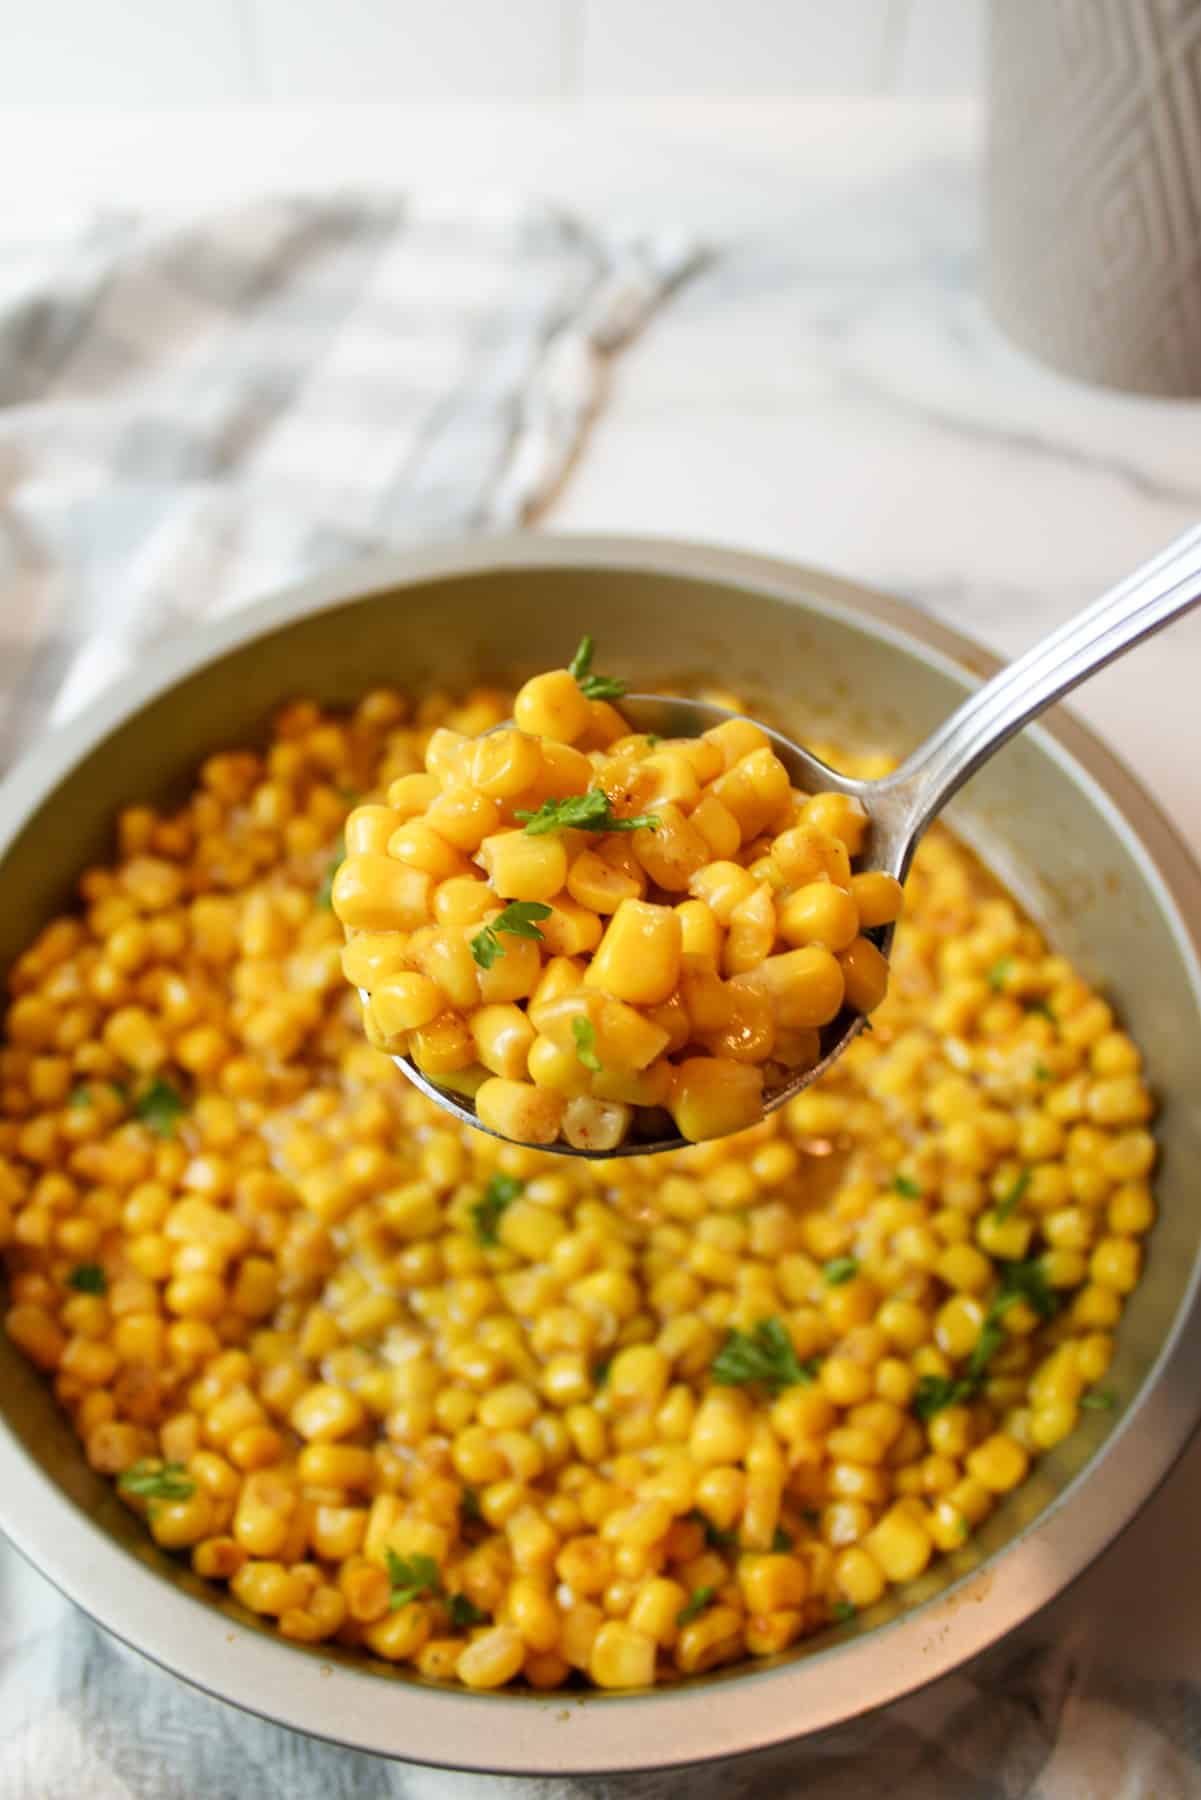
[828, 388]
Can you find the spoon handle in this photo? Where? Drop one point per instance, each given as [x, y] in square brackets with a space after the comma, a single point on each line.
[1153, 596]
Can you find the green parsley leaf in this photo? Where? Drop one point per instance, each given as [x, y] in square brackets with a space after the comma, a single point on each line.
[160, 1106]
[464, 1613]
[518, 920]
[901, 1184]
[88, 1278]
[1026, 1281]
[600, 1371]
[1006, 1204]
[157, 1480]
[715, 1536]
[652, 738]
[584, 1033]
[1103, 1400]
[500, 1192]
[1019, 1281]
[962, 1526]
[781, 1540]
[992, 1338]
[700, 1599]
[1042, 1008]
[325, 893]
[469, 1504]
[933, 1392]
[1041, 1072]
[415, 1577]
[999, 974]
[840, 1269]
[583, 812]
[593, 687]
[843, 1610]
[764, 1356]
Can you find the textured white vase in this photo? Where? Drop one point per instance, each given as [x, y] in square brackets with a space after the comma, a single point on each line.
[1094, 187]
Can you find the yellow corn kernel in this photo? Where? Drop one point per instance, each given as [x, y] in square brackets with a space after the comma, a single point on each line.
[595, 1125]
[505, 763]
[368, 828]
[409, 795]
[638, 960]
[900, 1544]
[552, 706]
[865, 972]
[805, 987]
[376, 893]
[405, 1001]
[525, 868]
[1115, 1264]
[878, 897]
[492, 1658]
[819, 913]
[622, 1657]
[326, 1413]
[711, 1098]
[772, 1583]
[598, 885]
[722, 886]
[503, 1036]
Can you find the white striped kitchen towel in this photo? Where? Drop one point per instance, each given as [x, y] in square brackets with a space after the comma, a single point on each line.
[192, 414]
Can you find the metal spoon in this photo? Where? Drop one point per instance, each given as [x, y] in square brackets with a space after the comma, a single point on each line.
[902, 805]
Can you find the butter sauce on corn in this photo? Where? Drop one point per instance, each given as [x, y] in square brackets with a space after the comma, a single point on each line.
[694, 920]
[491, 1416]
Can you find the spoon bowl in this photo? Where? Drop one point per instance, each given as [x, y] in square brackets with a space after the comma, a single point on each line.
[900, 806]
[670, 717]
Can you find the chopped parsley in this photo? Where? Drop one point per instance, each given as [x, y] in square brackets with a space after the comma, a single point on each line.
[518, 919]
[762, 1357]
[652, 738]
[1041, 1072]
[781, 1540]
[325, 893]
[1103, 1400]
[843, 1610]
[1020, 1281]
[716, 1536]
[464, 1613]
[469, 1504]
[902, 1184]
[1009, 1200]
[840, 1269]
[88, 1278]
[415, 1577]
[160, 1106]
[500, 1192]
[600, 1371]
[593, 687]
[999, 974]
[592, 811]
[933, 1392]
[700, 1599]
[1042, 1008]
[157, 1480]
[584, 1033]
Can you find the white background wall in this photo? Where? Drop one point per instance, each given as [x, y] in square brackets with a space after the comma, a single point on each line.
[190, 52]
